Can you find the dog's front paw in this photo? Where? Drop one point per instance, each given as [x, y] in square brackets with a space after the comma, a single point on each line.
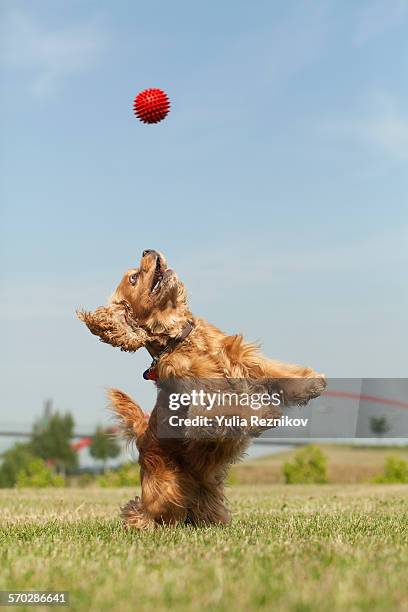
[314, 388]
[299, 391]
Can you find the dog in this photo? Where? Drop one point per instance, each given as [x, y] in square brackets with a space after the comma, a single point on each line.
[183, 476]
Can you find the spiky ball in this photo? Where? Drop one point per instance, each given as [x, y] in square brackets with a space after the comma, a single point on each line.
[151, 105]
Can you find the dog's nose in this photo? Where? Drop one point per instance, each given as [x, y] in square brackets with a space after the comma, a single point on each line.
[147, 251]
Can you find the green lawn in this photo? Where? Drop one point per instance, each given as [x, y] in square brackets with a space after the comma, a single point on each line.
[300, 548]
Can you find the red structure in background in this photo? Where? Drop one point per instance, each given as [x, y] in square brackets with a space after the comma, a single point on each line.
[82, 443]
[86, 441]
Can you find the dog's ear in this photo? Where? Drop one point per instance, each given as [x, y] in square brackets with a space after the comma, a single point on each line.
[114, 325]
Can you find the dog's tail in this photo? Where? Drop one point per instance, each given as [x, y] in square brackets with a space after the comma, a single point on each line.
[132, 419]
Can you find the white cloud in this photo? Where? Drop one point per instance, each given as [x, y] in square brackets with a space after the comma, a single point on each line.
[49, 55]
[378, 16]
[383, 126]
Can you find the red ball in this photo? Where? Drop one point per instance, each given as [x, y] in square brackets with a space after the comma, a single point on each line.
[151, 105]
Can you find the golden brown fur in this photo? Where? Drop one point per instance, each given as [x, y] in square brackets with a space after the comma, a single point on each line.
[182, 479]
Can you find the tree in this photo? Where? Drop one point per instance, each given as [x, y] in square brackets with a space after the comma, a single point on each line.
[379, 425]
[51, 440]
[104, 446]
[309, 466]
[38, 474]
[395, 471]
[15, 459]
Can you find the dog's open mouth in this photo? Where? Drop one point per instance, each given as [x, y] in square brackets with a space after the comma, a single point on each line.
[157, 277]
[160, 276]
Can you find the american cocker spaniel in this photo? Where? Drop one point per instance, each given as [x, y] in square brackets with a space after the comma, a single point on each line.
[183, 469]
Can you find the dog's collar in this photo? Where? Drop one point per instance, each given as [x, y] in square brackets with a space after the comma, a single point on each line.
[151, 372]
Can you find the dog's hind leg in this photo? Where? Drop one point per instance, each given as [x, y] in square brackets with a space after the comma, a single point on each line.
[133, 515]
[164, 501]
[208, 507]
[166, 495]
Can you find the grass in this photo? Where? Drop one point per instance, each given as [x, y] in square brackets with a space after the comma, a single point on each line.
[299, 548]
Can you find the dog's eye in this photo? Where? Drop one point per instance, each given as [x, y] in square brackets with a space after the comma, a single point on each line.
[133, 278]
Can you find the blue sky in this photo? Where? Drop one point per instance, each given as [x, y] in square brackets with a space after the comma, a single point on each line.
[277, 186]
